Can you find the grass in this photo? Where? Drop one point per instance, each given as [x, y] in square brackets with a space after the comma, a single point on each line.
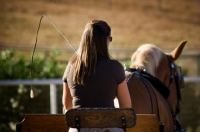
[133, 22]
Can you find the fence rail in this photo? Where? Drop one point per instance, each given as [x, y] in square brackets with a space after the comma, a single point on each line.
[58, 81]
[54, 82]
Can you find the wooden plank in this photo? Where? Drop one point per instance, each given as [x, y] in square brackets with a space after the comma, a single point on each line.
[43, 123]
[56, 123]
[100, 118]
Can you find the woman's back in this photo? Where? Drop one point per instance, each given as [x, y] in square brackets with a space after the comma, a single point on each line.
[101, 88]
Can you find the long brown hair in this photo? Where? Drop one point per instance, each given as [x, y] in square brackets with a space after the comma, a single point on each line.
[93, 43]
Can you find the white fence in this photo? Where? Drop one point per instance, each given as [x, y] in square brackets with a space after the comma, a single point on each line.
[54, 82]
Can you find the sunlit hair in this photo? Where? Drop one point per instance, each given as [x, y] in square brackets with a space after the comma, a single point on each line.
[93, 43]
[147, 56]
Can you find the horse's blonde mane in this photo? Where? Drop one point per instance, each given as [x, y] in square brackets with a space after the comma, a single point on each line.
[147, 56]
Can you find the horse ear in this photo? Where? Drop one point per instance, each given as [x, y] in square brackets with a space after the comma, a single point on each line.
[178, 50]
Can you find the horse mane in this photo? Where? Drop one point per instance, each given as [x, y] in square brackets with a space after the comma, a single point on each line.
[147, 56]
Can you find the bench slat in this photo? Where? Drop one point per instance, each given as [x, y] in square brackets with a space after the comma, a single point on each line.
[43, 123]
[56, 123]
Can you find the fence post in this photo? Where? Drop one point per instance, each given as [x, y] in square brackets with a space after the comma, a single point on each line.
[53, 99]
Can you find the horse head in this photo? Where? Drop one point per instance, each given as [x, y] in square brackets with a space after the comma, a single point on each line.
[162, 66]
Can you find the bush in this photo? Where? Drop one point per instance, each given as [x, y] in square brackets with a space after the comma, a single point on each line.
[15, 100]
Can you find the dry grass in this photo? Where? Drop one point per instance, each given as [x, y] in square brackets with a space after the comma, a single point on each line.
[133, 22]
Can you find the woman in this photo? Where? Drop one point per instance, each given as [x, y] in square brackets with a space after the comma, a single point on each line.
[91, 78]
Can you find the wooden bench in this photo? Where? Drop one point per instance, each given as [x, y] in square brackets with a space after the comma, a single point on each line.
[57, 123]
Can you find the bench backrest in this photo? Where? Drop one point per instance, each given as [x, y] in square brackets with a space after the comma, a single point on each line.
[101, 118]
